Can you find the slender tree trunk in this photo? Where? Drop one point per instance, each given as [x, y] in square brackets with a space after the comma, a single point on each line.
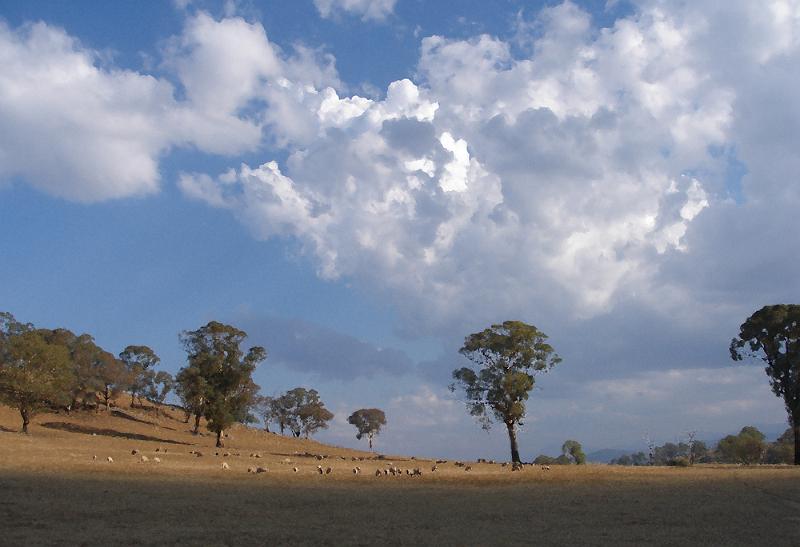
[266, 426]
[512, 437]
[26, 419]
[196, 424]
[370, 441]
[133, 398]
[219, 439]
[796, 429]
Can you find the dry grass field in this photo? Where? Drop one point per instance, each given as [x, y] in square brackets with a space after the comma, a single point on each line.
[53, 492]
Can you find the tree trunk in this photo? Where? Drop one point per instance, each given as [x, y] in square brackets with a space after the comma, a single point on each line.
[266, 427]
[219, 439]
[26, 419]
[369, 437]
[512, 437]
[133, 398]
[196, 424]
[796, 428]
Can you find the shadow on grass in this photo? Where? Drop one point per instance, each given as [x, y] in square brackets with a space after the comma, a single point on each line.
[120, 414]
[8, 429]
[75, 428]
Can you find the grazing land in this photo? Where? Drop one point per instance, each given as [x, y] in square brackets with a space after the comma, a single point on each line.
[54, 492]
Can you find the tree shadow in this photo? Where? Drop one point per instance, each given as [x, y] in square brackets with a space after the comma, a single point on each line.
[86, 430]
[5, 429]
[120, 414]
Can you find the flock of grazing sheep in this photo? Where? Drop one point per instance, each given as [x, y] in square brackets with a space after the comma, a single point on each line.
[390, 469]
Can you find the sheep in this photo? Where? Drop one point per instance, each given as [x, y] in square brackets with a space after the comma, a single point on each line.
[144, 459]
[158, 449]
[392, 471]
[516, 466]
[156, 460]
[134, 452]
[467, 468]
[356, 470]
[417, 472]
[295, 469]
[386, 472]
[225, 465]
[110, 459]
[434, 468]
[320, 470]
[545, 468]
[94, 458]
[378, 472]
[251, 469]
[257, 456]
[329, 470]
[261, 470]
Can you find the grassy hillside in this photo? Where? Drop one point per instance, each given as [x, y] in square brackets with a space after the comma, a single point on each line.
[55, 492]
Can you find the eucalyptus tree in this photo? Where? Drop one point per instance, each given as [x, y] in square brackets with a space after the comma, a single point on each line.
[368, 423]
[225, 373]
[574, 451]
[35, 372]
[772, 334]
[139, 360]
[507, 357]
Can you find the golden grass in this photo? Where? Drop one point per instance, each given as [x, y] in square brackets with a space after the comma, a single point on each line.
[53, 492]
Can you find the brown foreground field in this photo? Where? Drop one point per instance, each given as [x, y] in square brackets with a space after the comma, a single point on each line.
[53, 492]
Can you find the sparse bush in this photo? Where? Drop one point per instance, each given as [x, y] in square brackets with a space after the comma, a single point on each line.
[679, 461]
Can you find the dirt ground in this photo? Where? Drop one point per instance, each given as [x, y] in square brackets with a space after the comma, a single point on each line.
[54, 492]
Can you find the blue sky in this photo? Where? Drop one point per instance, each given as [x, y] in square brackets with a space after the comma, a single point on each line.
[361, 183]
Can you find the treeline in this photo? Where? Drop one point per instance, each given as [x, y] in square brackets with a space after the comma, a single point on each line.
[44, 369]
[748, 447]
[56, 369]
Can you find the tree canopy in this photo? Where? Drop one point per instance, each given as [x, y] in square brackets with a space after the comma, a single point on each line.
[35, 371]
[224, 373]
[772, 334]
[368, 423]
[507, 357]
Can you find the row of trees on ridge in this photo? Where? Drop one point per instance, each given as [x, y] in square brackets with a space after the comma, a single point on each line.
[56, 369]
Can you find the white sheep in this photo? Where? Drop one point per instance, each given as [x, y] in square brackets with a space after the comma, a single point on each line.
[225, 465]
[320, 470]
[156, 460]
[295, 469]
[144, 459]
[110, 459]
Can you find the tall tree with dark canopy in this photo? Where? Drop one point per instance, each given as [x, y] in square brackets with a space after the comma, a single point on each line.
[304, 411]
[191, 388]
[138, 360]
[113, 376]
[160, 386]
[34, 372]
[772, 334]
[507, 356]
[574, 451]
[368, 423]
[226, 371]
